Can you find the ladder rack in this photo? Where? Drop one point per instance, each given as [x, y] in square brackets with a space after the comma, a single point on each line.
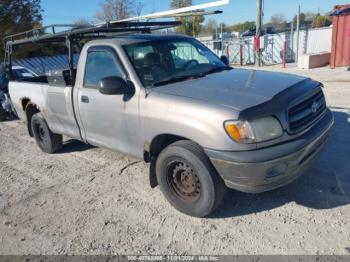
[51, 33]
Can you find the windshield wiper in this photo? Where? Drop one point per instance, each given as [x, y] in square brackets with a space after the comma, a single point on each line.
[179, 78]
[174, 79]
[217, 70]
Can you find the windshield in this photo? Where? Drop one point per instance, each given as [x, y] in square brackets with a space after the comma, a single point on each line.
[164, 61]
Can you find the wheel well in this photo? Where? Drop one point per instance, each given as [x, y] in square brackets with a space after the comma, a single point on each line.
[30, 110]
[25, 102]
[159, 143]
[152, 151]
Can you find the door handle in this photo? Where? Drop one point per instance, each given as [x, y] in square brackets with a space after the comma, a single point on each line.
[84, 99]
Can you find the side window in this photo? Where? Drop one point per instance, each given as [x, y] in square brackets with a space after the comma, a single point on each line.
[100, 64]
[182, 52]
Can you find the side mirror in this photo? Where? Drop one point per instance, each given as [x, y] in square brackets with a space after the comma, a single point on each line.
[225, 60]
[114, 85]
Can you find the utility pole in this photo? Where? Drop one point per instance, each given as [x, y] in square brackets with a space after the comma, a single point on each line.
[193, 25]
[292, 36]
[298, 34]
[222, 36]
[259, 14]
[222, 29]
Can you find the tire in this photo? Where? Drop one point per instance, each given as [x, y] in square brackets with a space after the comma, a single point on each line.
[188, 180]
[47, 141]
[3, 114]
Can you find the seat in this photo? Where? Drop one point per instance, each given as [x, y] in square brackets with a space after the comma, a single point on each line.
[154, 67]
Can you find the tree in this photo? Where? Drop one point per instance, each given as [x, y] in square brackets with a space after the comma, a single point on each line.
[309, 16]
[322, 21]
[309, 19]
[139, 7]
[277, 19]
[319, 21]
[210, 26]
[306, 20]
[18, 16]
[301, 19]
[82, 22]
[278, 22]
[190, 25]
[176, 4]
[242, 27]
[115, 10]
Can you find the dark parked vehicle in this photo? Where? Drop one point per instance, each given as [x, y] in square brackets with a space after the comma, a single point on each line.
[7, 111]
[3, 94]
[252, 32]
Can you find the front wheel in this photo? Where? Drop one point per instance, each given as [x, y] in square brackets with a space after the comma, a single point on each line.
[47, 141]
[188, 180]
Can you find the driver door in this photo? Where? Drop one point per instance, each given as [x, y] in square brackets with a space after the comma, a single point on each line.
[102, 116]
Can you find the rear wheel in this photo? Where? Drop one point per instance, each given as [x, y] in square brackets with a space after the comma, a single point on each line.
[47, 141]
[188, 180]
[3, 114]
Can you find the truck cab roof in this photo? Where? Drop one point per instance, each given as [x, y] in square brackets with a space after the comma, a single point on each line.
[135, 38]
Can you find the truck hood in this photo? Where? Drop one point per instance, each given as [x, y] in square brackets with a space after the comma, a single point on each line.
[237, 88]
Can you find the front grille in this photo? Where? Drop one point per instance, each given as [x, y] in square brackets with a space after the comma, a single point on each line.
[306, 112]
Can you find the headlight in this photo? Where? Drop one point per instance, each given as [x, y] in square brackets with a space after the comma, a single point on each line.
[254, 131]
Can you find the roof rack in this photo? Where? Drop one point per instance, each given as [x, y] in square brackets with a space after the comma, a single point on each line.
[53, 34]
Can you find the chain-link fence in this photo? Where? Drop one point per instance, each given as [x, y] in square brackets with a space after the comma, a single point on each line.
[241, 50]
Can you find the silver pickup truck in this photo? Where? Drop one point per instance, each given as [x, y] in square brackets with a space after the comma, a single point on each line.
[167, 99]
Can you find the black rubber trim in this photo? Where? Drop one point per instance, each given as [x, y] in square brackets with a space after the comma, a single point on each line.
[279, 102]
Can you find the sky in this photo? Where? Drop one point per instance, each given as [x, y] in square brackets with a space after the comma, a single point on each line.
[68, 11]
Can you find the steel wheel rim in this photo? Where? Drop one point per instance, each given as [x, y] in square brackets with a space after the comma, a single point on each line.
[183, 181]
[41, 133]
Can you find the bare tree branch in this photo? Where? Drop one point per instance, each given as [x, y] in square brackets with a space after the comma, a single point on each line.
[115, 10]
[139, 7]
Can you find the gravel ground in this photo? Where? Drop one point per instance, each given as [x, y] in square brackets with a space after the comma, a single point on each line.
[87, 200]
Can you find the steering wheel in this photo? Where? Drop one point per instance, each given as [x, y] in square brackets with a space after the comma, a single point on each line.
[187, 65]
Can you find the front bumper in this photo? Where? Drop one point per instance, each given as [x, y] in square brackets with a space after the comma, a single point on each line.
[269, 168]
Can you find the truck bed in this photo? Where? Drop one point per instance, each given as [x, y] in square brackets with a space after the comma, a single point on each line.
[24, 90]
[54, 102]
